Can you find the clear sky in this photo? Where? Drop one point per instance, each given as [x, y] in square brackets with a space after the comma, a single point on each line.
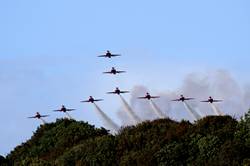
[48, 52]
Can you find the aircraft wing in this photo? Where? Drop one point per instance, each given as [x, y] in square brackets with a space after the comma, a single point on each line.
[115, 55]
[154, 97]
[85, 101]
[176, 100]
[205, 101]
[124, 91]
[189, 98]
[32, 117]
[70, 109]
[42, 116]
[120, 71]
[111, 92]
[98, 100]
[217, 100]
[102, 56]
[141, 97]
[56, 110]
[108, 72]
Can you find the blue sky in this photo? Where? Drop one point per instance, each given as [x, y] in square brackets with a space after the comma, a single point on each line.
[48, 52]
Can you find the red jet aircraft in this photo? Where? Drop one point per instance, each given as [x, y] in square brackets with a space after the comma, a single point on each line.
[117, 91]
[109, 55]
[114, 71]
[38, 116]
[211, 100]
[64, 109]
[91, 100]
[148, 96]
[182, 98]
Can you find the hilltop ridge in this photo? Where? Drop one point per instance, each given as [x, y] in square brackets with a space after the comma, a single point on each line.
[213, 140]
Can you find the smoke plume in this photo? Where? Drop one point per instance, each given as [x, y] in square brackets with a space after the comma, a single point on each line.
[216, 109]
[106, 120]
[130, 112]
[191, 111]
[157, 110]
[218, 84]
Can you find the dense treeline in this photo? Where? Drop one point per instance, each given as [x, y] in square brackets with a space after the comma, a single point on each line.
[213, 140]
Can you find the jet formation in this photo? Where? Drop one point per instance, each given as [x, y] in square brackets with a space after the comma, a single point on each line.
[117, 91]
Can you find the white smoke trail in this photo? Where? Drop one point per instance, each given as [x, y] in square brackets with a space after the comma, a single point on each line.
[218, 83]
[157, 110]
[44, 122]
[70, 117]
[199, 112]
[192, 111]
[130, 112]
[216, 109]
[106, 120]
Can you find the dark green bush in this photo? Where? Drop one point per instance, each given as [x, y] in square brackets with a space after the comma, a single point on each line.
[213, 140]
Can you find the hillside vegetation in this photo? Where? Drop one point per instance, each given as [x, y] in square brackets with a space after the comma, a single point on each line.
[213, 140]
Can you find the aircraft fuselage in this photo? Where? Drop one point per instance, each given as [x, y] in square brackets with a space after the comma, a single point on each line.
[38, 116]
[113, 71]
[117, 91]
[108, 55]
[148, 97]
[210, 100]
[182, 99]
[63, 110]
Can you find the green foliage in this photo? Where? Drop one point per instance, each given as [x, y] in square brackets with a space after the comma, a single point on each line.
[144, 140]
[208, 149]
[98, 151]
[172, 154]
[243, 130]
[221, 126]
[51, 140]
[3, 161]
[213, 140]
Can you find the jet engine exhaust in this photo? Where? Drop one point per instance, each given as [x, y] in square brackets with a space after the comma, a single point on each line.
[191, 111]
[131, 113]
[216, 109]
[157, 110]
[106, 120]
